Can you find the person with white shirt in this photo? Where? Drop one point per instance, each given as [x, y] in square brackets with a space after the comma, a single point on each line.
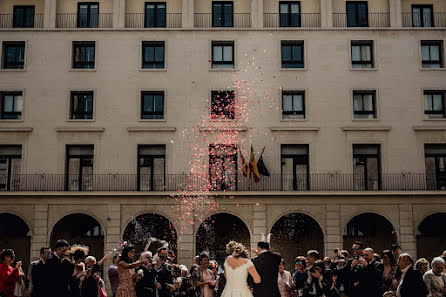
[411, 283]
[435, 279]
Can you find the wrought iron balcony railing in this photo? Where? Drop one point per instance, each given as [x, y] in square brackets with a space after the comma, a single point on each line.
[436, 19]
[7, 21]
[292, 20]
[159, 20]
[226, 20]
[76, 20]
[374, 19]
[183, 182]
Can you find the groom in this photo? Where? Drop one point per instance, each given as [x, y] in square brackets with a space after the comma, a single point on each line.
[267, 265]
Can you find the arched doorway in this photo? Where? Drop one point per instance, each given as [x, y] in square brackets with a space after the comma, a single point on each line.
[431, 236]
[293, 235]
[81, 229]
[372, 230]
[151, 226]
[14, 234]
[217, 231]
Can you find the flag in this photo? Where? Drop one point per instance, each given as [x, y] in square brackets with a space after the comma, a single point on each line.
[245, 168]
[261, 166]
[253, 171]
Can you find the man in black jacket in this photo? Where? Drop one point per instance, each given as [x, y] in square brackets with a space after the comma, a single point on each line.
[60, 270]
[267, 265]
[164, 278]
[37, 274]
[411, 283]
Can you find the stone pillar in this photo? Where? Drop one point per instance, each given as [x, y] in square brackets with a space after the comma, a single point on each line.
[186, 243]
[406, 235]
[257, 13]
[395, 13]
[188, 14]
[333, 233]
[259, 224]
[40, 234]
[49, 17]
[119, 14]
[326, 13]
[112, 238]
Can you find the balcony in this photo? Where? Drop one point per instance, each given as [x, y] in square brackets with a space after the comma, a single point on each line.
[375, 20]
[304, 20]
[437, 19]
[7, 21]
[75, 20]
[235, 20]
[142, 20]
[182, 182]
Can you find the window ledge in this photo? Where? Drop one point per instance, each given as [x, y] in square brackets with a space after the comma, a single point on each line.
[384, 129]
[293, 69]
[363, 69]
[429, 128]
[82, 70]
[80, 120]
[12, 121]
[223, 69]
[366, 120]
[151, 129]
[79, 129]
[293, 120]
[225, 128]
[434, 120]
[153, 70]
[154, 120]
[17, 129]
[278, 129]
[432, 69]
[13, 70]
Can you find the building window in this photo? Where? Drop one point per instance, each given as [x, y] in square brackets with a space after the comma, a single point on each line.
[432, 54]
[293, 105]
[362, 54]
[88, 15]
[13, 55]
[364, 104]
[222, 14]
[11, 105]
[79, 168]
[81, 106]
[10, 167]
[222, 54]
[151, 167]
[435, 160]
[434, 104]
[84, 54]
[292, 54]
[366, 167]
[223, 105]
[152, 105]
[295, 167]
[422, 16]
[23, 17]
[357, 14]
[153, 55]
[289, 13]
[155, 16]
[223, 167]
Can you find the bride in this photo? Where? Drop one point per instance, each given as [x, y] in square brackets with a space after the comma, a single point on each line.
[237, 266]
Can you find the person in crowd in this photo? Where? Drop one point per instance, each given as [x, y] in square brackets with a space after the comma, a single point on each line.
[145, 287]
[164, 277]
[312, 257]
[126, 272]
[391, 273]
[181, 285]
[300, 276]
[338, 269]
[422, 265]
[37, 274]
[336, 254]
[411, 283]
[372, 274]
[92, 282]
[202, 278]
[78, 254]
[335, 291]
[328, 263]
[352, 270]
[319, 283]
[9, 275]
[377, 257]
[284, 280]
[113, 274]
[435, 278]
[60, 269]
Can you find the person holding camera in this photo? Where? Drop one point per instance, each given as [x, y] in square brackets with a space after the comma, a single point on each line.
[319, 281]
[9, 275]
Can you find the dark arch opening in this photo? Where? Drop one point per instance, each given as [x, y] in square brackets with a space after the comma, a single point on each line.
[293, 235]
[217, 231]
[431, 237]
[151, 225]
[372, 230]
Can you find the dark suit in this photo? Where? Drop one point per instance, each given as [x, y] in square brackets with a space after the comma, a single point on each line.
[164, 277]
[267, 265]
[146, 286]
[39, 279]
[368, 279]
[59, 276]
[413, 284]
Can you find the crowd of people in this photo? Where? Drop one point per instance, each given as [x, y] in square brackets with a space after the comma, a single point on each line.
[69, 271]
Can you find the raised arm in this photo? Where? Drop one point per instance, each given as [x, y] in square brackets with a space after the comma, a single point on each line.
[132, 265]
[106, 257]
[255, 275]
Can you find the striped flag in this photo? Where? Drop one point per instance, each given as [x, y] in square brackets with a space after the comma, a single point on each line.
[253, 171]
[245, 168]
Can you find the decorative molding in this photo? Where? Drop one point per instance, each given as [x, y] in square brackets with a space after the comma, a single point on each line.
[429, 128]
[383, 129]
[295, 129]
[151, 129]
[79, 129]
[17, 129]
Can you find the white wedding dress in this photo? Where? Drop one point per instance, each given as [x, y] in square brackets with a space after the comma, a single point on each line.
[237, 280]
